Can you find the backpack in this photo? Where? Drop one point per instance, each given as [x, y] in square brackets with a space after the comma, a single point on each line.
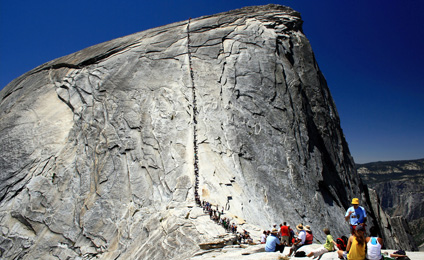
[342, 243]
[300, 254]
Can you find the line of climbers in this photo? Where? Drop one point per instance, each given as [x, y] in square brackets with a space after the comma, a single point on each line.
[229, 226]
[214, 214]
[196, 149]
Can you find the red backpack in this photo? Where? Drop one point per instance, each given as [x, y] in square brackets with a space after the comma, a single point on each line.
[342, 243]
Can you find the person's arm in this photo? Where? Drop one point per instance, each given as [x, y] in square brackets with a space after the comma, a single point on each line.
[380, 240]
[347, 216]
[349, 243]
[365, 215]
[396, 255]
[297, 241]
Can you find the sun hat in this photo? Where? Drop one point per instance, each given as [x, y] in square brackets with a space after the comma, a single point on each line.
[307, 228]
[355, 201]
[274, 230]
[299, 227]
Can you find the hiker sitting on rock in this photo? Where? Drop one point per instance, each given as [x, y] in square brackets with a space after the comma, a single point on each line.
[355, 249]
[263, 237]
[300, 240]
[374, 244]
[273, 243]
[328, 246]
[309, 235]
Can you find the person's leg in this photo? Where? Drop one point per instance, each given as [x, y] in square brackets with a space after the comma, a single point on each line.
[318, 252]
[293, 249]
[279, 248]
[297, 247]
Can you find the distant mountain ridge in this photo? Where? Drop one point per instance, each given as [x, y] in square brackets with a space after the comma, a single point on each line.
[400, 186]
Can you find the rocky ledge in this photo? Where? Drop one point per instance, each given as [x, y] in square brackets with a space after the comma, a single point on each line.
[257, 252]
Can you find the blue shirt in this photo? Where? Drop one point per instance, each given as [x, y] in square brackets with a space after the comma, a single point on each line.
[271, 243]
[357, 216]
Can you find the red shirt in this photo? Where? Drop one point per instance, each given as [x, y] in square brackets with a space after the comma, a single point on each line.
[309, 238]
[284, 231]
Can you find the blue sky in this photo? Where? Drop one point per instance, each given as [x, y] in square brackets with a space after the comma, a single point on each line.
[371, 53]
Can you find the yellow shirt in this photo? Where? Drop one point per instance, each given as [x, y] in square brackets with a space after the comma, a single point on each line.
[356, 252]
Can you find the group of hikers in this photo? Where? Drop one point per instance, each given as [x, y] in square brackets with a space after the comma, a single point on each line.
[217, 215]
[357, 247]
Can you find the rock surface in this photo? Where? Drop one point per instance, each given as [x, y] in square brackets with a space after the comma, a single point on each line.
[97, 157]
[257, 252]
[395, 231]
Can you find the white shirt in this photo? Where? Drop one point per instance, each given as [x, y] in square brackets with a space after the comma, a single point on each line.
[263, 238]
[302, 236]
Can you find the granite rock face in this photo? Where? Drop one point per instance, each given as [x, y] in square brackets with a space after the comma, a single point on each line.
[97, 157]
[394, 231]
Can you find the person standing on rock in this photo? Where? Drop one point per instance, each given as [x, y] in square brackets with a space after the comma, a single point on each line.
[355, 215]
[291, 235]
[273, 243]
[285, 235]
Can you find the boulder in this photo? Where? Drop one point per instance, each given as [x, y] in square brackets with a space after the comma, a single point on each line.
[104, 150]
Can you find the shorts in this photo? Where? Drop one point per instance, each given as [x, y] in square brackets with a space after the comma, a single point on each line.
[296, 247]
[285, 239]
[319, 251]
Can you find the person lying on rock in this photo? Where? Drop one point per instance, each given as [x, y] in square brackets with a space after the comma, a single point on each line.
[273, 244]
[399, 255]
[300, 240]
[328, 246]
